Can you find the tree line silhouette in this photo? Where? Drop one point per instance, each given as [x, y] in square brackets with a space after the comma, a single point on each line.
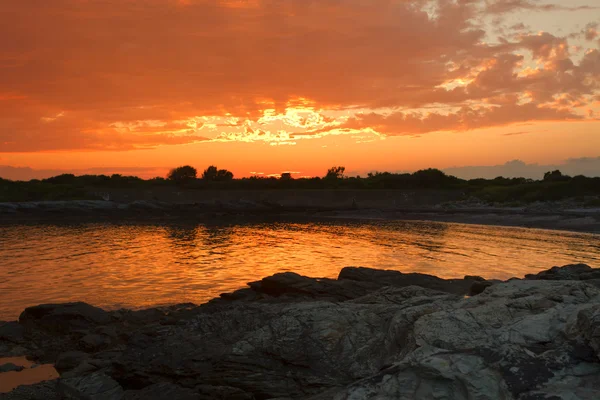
[553, 186]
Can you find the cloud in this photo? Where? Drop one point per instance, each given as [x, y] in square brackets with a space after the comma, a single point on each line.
[589, 166]
[506, 6]
[402, 123]
[121, 75]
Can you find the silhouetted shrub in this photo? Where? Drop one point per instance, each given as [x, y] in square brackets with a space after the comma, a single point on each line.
[182, 174]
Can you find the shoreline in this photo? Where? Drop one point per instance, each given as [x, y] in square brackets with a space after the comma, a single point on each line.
[574, 220]
[366, 334]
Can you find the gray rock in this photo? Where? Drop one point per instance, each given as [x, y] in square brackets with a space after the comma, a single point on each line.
[588, 322]
[10, 367]
[90, 387]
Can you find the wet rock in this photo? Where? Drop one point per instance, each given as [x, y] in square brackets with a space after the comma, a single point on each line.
[64, 317]
[91, 387]
[10, 367]
[294, 286]
[399, 279]
[567, 272]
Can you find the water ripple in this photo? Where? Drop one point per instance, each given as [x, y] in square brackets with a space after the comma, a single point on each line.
[140, 265]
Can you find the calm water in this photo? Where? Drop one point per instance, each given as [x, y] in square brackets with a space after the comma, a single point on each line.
[139, 265]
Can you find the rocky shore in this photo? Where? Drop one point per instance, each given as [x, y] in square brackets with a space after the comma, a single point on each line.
[563, 216]
[370, 334]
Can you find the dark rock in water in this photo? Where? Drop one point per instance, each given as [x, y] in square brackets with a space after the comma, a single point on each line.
[64, 317]
[399, 279]
[594, 274]
[10, 367]
[69, 360]
[567, 272]
[478, 287]
[91, 387]
[292, 285]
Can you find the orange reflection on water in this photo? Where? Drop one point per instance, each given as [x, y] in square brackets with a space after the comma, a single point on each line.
[30, 375]
[141, 265]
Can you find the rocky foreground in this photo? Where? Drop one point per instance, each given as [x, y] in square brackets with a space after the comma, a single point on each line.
[370, 334]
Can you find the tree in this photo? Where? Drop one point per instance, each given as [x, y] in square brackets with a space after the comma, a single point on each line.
[182, 174]
[286, 176]
[335, 172]
[224, 175]
[555, 175]
[212, 173]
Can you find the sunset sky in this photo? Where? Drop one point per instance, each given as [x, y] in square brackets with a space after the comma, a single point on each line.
[267, 86]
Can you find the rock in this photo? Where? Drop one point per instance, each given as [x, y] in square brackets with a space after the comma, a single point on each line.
[10, 367]
[94, 342]
[294, 286]
[474, 278]
[368, 335]
[69, 360]
[478, 287]
[399, 279]
[567, 272]
[162, 391]
[85, 368]
[64, 318]
[588, 322]
[12, 332]
[91, 387]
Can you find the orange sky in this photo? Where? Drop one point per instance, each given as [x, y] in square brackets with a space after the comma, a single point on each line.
[296, 85]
